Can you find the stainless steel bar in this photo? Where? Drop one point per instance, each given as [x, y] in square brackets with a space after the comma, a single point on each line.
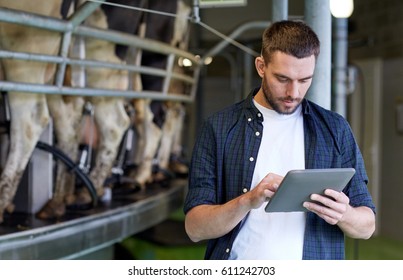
[196, 75]
[84, 11]
[168, 77]
[49, 89]
[64, 51]
[33, 20]
[109, 35]
[93, 63]
[126, 39]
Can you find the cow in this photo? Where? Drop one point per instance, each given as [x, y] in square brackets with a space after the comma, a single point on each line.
[170, 150]
[159, 123]
[30, 113]
[153, 119]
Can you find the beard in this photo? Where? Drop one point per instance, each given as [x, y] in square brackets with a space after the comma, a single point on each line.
[277, 103]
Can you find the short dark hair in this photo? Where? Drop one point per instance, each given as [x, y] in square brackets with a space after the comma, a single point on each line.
[291, 37]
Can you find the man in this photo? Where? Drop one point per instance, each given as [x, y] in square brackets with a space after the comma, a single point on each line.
[244, 151]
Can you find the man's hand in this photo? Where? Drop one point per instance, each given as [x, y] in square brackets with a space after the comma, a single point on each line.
[212, 221]
[263, 191]
[332, 206]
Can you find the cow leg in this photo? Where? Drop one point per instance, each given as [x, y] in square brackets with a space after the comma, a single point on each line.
[170, 148]
[176, 165]
[149, 135]
[29, 117]
[112, 121]
[67, 114]
[164, 150]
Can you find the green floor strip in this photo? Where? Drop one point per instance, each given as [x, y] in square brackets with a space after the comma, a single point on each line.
[144, 250]
[375, 248]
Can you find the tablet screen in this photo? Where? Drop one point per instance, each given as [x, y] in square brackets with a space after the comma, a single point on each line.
[298, 185]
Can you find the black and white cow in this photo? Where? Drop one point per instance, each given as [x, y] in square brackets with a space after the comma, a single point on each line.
[160, 123]
[30, 113]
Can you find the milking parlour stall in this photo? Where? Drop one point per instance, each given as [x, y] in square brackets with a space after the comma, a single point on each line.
[93, 107]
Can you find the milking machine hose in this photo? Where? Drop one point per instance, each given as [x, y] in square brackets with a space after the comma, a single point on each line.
[72, 166]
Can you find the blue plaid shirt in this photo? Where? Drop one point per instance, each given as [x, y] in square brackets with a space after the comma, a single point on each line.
[221, 169]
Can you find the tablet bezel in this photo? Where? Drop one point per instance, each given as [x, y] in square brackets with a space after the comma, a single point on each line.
[298, 185]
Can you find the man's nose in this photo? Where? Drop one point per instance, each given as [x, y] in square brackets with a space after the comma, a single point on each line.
[293, 89]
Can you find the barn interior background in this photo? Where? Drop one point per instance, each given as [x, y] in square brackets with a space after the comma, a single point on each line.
[143, 219]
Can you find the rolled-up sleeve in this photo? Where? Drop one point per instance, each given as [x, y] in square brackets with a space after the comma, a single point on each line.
[357, 189]
[202, 175]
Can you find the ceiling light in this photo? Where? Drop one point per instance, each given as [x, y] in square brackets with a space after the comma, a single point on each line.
[341, 8]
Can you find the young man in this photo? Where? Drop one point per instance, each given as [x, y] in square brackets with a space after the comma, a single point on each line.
[244, 151]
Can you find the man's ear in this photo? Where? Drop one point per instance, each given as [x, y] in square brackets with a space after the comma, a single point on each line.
[260, 66]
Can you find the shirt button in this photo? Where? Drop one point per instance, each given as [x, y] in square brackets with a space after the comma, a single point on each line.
[245, 190]
[257, 133]
[251, 159]
[227, 250]
[259, 115]
[249, 119]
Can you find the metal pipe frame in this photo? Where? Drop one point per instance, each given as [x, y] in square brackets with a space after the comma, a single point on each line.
[71, 28]
[235, 34]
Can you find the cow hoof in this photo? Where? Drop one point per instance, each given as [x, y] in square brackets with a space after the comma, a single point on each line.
[9, 208]
[70, 199]
[126, 188]
[52, 209]
[180, 169]
[1, 215]
[83, 198]
[162, 176]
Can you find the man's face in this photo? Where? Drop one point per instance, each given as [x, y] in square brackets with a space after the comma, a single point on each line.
[285, 81]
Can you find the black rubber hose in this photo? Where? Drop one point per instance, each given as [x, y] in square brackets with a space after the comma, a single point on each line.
[60, 155]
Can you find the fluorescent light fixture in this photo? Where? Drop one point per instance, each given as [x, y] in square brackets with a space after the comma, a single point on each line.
[341, 8]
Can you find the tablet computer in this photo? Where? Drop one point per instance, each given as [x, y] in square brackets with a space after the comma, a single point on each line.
[298, 185]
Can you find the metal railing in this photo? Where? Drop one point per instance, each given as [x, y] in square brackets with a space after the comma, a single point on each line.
[70, 28]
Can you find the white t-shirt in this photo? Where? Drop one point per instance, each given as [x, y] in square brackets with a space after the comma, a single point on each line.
[274, 235]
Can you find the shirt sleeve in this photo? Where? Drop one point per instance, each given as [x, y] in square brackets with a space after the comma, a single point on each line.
[357, 189]
[203, 170]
